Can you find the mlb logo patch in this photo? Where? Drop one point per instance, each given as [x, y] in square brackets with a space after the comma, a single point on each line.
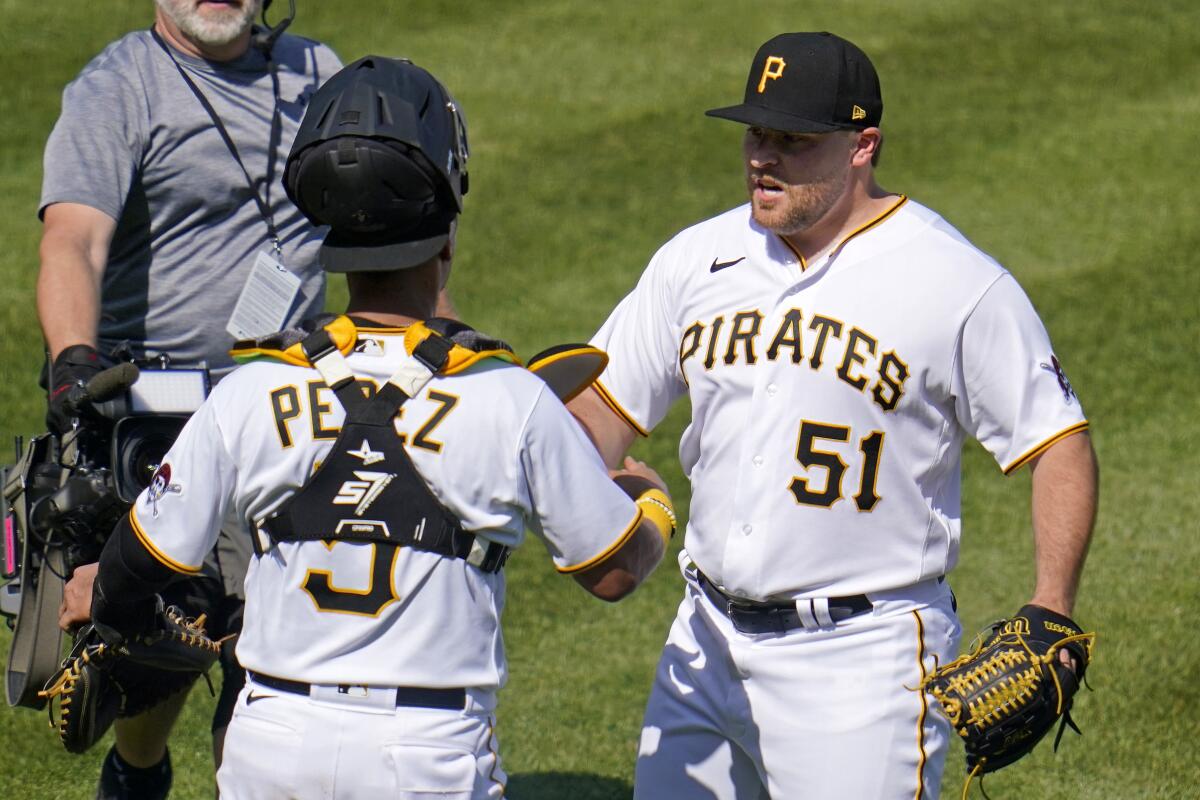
[368, 346]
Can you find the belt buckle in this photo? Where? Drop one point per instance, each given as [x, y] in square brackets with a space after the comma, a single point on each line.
[753, 618]
[730, 607]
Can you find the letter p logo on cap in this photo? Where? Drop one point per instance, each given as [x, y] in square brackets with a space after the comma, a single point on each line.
[772, 69]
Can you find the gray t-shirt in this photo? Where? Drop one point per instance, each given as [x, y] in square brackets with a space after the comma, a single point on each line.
[134, 142]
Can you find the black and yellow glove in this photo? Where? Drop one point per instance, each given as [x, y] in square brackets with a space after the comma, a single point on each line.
[105, 675]
[1008, 692]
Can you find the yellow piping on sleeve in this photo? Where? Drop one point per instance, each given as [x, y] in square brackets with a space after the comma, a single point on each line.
[617, 409]
[159, 555]
[1039, 449]
[608, 552]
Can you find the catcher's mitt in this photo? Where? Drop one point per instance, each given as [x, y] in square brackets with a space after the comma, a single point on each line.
[1004, 695]
[108, 675]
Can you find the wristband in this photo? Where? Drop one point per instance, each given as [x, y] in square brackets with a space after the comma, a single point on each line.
[656, 506]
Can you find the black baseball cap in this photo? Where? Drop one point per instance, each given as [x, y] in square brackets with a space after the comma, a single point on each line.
[809, 83]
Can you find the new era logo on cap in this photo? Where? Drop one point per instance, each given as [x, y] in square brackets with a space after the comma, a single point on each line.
[809, 83]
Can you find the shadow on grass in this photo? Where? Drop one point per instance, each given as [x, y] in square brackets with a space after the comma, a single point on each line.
[573, 785]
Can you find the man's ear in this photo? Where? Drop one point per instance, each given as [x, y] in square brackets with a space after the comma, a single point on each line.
[865, 143]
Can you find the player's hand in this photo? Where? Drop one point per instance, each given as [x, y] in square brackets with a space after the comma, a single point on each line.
[76, 607]
[637, 477]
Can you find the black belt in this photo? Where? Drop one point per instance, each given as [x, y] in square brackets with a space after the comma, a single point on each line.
[407, 696]
[749, 616]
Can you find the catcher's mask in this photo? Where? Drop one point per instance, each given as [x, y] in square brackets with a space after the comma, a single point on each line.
[381, 158]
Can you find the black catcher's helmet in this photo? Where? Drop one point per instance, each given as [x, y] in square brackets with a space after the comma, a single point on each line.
[381, 158]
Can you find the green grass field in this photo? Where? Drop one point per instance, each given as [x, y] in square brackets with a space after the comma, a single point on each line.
[1054, 134]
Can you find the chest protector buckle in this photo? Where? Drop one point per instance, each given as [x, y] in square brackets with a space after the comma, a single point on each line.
[367, 489]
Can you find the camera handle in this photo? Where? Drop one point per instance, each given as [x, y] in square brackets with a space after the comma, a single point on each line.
[36, 647]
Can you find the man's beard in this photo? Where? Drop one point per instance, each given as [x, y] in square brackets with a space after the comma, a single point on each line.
[211, 29]
[801, 205]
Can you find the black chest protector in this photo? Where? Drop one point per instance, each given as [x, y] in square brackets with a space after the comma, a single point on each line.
[367, 489]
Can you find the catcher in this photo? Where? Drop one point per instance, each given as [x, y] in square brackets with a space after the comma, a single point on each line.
[382, 464]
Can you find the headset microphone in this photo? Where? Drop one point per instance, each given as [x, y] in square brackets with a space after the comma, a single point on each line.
[265, 38]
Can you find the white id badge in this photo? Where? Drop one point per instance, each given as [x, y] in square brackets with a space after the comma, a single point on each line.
[265, 301]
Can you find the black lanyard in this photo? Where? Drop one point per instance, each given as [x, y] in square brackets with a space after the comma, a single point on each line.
[276, 132]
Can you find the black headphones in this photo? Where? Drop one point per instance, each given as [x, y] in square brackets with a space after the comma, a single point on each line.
[264, 38]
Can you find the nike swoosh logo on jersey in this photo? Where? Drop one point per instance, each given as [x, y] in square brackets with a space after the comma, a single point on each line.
[250, 698]
[717, 266]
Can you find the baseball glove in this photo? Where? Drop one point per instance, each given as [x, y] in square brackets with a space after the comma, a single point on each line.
[1006, 693]
[109, 675]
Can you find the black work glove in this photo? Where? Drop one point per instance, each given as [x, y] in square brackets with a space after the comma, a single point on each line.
[75, 366]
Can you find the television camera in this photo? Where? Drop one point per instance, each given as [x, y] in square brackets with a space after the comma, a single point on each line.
[65, 493]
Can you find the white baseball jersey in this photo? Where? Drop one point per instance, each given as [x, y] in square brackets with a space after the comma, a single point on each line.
[830, 400]
[494, 444]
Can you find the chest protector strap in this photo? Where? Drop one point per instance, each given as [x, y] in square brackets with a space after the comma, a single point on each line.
[367, 489]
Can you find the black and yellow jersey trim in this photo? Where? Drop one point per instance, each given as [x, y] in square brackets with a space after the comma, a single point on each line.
[618, 409]
[153, 549]
[608, 552]
[286, 346]
[1041, 448]
[900, 201]
[382, 330]
[856, 232]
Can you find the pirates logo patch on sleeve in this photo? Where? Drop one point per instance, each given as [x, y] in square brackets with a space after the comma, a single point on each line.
[160, 486]
[1056, 368]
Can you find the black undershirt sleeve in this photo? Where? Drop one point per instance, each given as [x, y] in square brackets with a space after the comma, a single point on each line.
[128, 576]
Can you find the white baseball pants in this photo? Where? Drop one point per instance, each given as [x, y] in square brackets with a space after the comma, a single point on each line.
[823, 714]
[285, 746]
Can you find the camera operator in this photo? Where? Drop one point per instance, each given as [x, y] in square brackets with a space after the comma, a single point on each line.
[167, 233]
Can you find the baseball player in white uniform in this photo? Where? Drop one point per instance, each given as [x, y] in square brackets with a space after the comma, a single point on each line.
[383, 472]
[838, 343]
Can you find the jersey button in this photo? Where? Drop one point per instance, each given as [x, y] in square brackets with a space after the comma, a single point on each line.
[747, 529]
[758, 461]
[772, 389]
